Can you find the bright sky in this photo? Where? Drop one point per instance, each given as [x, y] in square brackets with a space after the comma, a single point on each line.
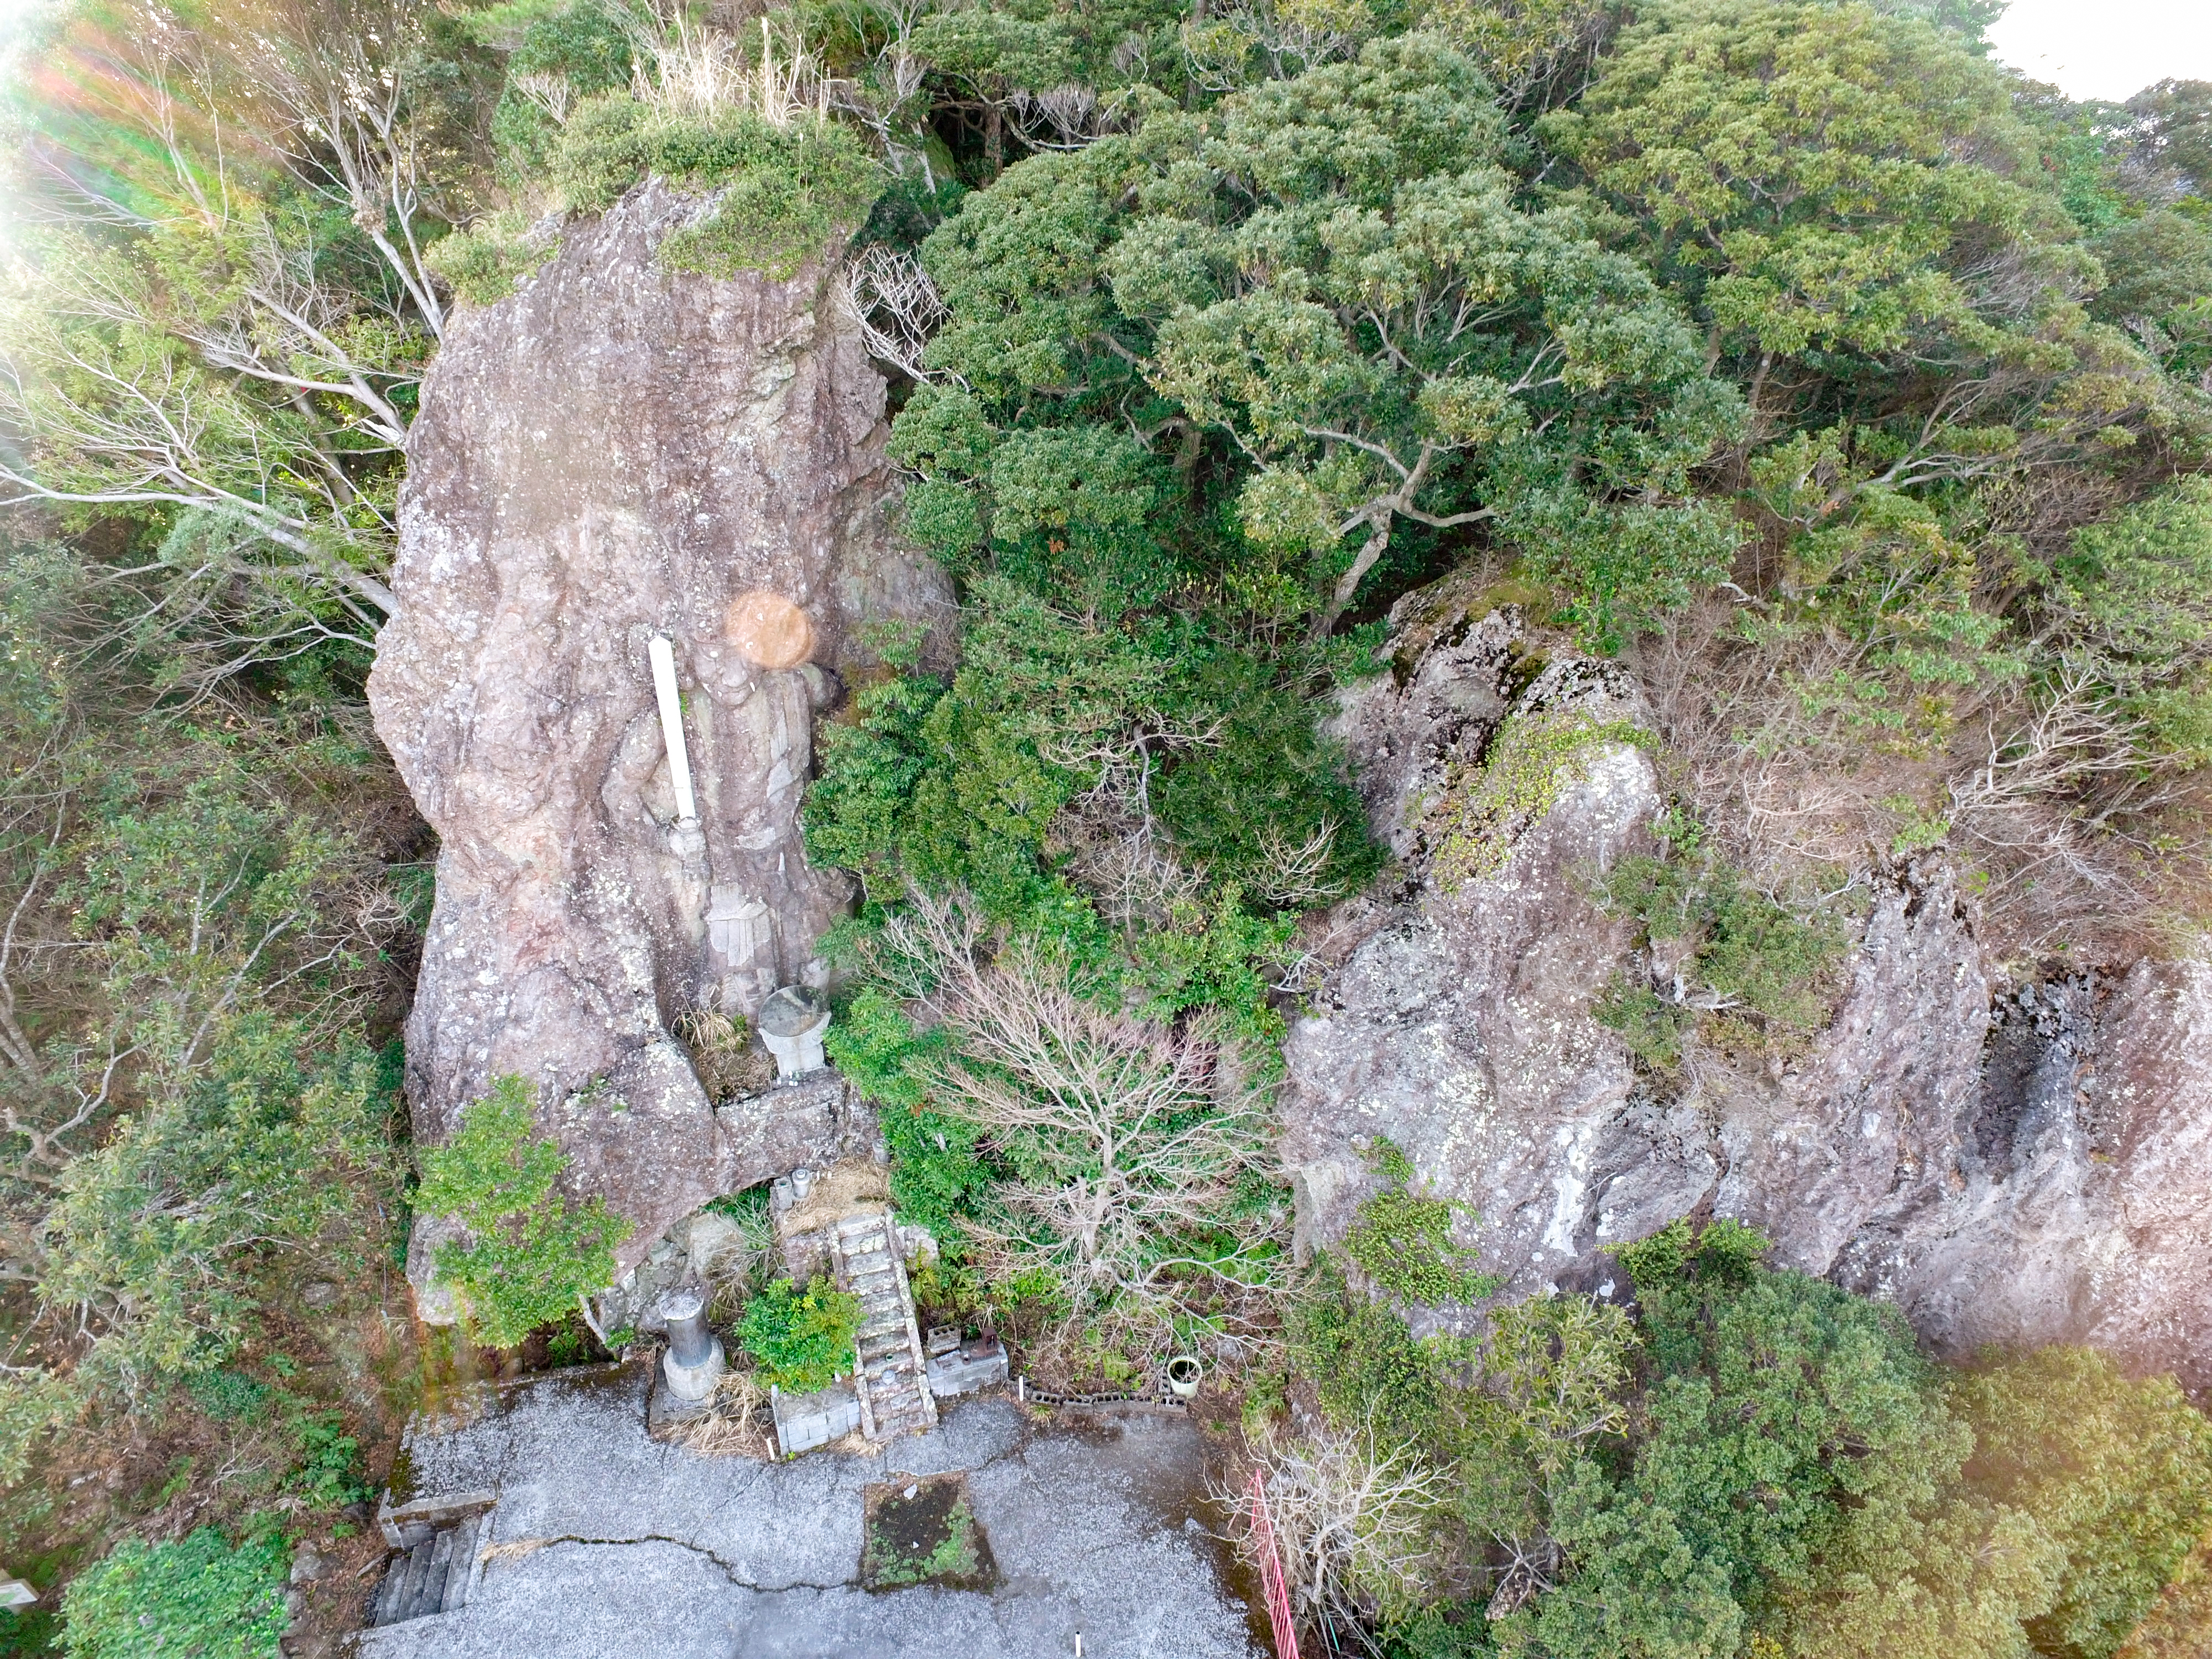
[2108, 49]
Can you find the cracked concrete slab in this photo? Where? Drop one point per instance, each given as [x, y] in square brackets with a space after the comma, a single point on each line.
[604, 1542]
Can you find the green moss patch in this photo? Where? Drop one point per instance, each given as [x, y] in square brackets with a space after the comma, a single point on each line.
[1530, 764]
[922, 1532]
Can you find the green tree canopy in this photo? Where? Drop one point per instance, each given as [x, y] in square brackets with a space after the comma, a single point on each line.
[1857, 193]
[2119, 1472]
[527, 1252]
[1332, 288]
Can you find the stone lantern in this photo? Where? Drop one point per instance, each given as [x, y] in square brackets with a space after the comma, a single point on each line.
[694, 1362]
[791, 1024]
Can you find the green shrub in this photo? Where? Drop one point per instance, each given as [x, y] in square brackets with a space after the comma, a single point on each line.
[1796, 1469]
[230, 1396]
[963, 785]
[327, 1472]
[272, 1140]
[483, 263]
[529, 1253]
[2179, 1622]
[199, 1596]
[587, 45]
[1652, 1027]
[802, 1339]
[1363, 1361]
[1764, 973]
[1404, 1243]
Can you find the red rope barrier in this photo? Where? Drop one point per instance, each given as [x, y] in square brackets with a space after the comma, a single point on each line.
[1271, 1572]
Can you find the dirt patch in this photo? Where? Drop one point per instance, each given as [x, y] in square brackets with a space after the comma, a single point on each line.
[857, 1183]
[924, 1532]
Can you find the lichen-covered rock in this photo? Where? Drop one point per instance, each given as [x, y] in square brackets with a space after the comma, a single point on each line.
[612, 453]
[1455, 1019]
[2011, 1166]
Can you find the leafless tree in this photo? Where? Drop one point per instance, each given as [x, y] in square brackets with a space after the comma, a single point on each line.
[1130, 1135]
[259, 391]
[1353, 1520]
[1066, 118]
[888, 294]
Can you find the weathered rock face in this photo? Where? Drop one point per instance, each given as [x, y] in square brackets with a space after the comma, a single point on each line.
[615, 453]
[2072, 1197]
[1456, 1023]
[2038, 1171]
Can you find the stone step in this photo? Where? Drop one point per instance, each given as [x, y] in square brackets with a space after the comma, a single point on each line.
[433, 1577]
[868, 1267]
[464, 1566]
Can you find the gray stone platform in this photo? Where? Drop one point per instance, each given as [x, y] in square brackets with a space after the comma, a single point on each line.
[604, 1544]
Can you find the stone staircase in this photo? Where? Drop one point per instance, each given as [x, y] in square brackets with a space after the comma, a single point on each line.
[431, 1577]
[892, 1378]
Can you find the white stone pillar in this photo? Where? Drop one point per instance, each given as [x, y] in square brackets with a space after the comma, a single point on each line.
[663, 655]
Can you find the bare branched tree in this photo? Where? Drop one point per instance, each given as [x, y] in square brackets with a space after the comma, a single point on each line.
[1066, 118]
[1128, 1136]
[896, 305]
[1354, 1521]
[191, 340]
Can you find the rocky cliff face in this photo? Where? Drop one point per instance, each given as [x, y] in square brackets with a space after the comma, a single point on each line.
[611, 454]
[2023, 1167]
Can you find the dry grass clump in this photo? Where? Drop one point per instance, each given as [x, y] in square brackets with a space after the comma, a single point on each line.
[724, 1054]
[734, 1423]
[2074, 841]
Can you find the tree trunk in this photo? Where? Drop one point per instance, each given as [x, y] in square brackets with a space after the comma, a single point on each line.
[1348, 584]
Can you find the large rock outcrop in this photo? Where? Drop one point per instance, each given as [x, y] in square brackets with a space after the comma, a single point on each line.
[2010, 1165]
[614, 453]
